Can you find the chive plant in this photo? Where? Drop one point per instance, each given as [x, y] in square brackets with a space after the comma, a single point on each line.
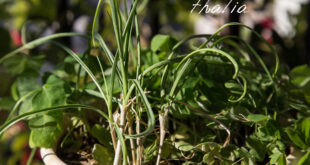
[137, 100]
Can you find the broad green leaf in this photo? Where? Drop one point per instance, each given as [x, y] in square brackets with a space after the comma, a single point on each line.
[238, 111]
[180, 111]
[24, 116]
[162, 43]
[257, 117]
[208, 146]
[296, 137]
[257, 148]
[26, 85]
[149, 58]
[211, 149]
[189, 163]
[246, 156]
[26, 106]
[102, 135]
[300, 75]
[275, 157]
[304, 127]
[263, 135]
[167, 149]
[45, 131]
[281, 146]
[51, 94]
[16, 66]
[282, 160]
[47, 126]
[29, 65]
[182, 133]
[300, 107]
[183, 146]
[228, 152]
[272, 128]
[102, 155]
[191, 82]
[151, 150]
[233, 85]
[209, 159]
[305, 160]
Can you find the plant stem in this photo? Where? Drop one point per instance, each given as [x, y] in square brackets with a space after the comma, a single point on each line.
[116, 25]
[138, 47]
[122, 124]
[110, 107]
[125, 8]
[162, 123]
[139, 140]
[117, 153]
[33, 151]
[112, 132]
[132, 144]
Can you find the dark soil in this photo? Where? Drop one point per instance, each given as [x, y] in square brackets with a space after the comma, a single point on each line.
[77, 149]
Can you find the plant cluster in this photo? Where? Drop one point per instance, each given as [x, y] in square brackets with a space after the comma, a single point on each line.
[172, 103]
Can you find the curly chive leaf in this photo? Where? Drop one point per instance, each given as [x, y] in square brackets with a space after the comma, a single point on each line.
[37, 42]
[149, 111]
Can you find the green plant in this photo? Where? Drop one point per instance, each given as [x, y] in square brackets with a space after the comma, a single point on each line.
[213, 103]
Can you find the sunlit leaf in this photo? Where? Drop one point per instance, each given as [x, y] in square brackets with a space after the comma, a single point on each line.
[162, 43]
[300, 76]
[305, 160]
[46, 128]
[102, 155]
[296, 137]
[257, 117]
